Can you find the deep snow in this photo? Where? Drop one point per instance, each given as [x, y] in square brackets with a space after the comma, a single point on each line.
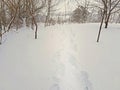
[64, 57]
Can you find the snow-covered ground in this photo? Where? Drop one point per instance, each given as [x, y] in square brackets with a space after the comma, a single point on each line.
[64, 57]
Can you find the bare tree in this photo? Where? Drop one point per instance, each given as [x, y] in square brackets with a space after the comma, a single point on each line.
[15, 12]
[32, 10]
[109, 7]
[50, 4]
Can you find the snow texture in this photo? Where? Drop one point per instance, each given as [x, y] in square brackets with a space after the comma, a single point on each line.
[64, 57]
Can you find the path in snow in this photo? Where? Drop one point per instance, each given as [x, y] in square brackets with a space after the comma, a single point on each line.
[69, 74]
[64, 57]
[49, 63]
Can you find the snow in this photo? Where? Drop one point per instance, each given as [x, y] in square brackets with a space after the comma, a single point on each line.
[64, 57]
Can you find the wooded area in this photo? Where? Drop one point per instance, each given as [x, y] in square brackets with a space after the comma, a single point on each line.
[14, 13]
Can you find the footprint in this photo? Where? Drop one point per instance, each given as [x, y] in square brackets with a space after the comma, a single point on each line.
[56, 79]
[57, 56]
[60, 70]
[55, 87]
[73, 61]
[85, 80]
[75, 48]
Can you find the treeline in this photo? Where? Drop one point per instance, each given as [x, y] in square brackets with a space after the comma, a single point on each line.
[15, 13]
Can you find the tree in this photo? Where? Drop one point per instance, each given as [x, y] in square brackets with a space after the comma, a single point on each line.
[109, 7]
[15, 12]
[76, 16]
[0, 32]
[50, 8]
[79, 15]
[24, 9]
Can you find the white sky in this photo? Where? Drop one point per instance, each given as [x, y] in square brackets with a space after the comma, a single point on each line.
[70, 5]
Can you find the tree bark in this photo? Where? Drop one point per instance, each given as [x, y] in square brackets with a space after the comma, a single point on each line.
[99, 33]
[107, 20]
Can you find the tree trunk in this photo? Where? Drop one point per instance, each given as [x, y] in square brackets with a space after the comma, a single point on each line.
[106, 24]
[48, 14]
[0, 33]
[98, 38]
[107, 20]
